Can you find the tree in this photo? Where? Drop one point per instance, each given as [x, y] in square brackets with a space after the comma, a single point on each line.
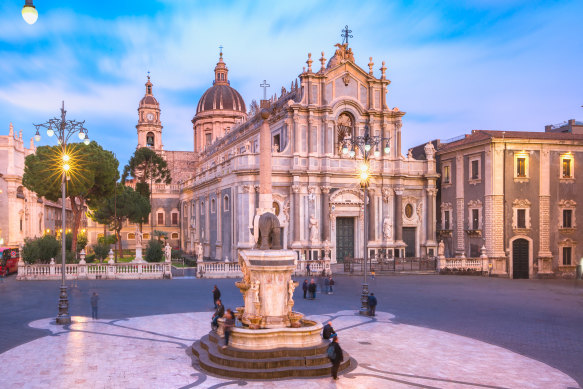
[41, 249]
[92, 177]
[154, 251]
[146, 166]
[125, 204]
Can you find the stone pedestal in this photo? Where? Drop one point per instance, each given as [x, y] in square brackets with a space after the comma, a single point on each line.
[138, 255]
[266, 287]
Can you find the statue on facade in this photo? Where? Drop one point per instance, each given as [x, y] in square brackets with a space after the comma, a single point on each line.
[387, 228]
[199, 251]
[255, 291]
[291, 286]
[441, 249]
[314, 231]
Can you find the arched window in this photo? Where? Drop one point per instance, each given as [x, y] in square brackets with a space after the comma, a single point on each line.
[20, 192]
[213, 206]
[131, 236]
[150, 139]
[174, 235]
[344, 129]
[226, 204]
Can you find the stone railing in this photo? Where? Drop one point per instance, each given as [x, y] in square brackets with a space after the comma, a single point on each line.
[233, 270]
[218, 270]
[317, 267]
[477, 264]
[92, 271]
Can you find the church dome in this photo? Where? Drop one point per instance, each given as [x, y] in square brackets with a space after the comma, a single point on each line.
[148, 98]
[221, 96]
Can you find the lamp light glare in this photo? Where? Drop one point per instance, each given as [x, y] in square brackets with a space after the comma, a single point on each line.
[352, 153]
[364, 176]
[66, 158]
[66, 167]
[29, 13]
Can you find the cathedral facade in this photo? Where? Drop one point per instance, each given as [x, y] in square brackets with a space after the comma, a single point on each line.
[316, 192]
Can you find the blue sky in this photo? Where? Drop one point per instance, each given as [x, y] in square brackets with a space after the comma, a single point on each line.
[454, 65]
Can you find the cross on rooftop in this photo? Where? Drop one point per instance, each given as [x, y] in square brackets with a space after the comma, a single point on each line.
[346, 34]
[221, 47]
[265, 85]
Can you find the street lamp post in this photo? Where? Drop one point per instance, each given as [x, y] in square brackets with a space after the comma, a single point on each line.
[367, 144]
[63, 129]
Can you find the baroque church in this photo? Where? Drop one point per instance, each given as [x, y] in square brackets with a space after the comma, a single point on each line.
[213, 197]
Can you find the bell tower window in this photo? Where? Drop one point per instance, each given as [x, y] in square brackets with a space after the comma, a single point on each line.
[150, 139]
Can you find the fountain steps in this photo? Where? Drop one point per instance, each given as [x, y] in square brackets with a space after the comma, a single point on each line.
[266, 364]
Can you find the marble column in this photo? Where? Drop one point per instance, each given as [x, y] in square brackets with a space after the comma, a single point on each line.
[296, 219]
[372, 217]
[431, 193]
[218, 243]
[325, 212]
[297, 134]
[398, 215]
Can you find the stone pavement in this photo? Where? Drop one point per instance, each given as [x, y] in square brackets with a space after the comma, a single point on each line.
[539, 319]
[154, 352]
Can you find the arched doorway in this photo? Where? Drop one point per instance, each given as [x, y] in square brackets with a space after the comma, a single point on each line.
[520, 258]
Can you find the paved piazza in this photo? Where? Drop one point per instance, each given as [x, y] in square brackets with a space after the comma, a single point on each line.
[430, 332]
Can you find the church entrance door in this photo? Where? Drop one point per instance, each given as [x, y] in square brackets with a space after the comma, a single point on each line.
[344, 238]
[409, 239]
[520, 258]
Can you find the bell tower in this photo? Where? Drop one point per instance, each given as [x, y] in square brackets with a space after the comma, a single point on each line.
[149, 126]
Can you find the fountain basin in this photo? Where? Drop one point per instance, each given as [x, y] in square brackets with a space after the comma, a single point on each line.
[308, 335]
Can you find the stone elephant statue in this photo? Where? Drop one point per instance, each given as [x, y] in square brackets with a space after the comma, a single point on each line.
[269, 232]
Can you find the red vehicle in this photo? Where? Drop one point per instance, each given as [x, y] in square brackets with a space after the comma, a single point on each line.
[9, 260]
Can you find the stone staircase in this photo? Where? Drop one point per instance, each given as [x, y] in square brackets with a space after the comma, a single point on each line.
[264, 364]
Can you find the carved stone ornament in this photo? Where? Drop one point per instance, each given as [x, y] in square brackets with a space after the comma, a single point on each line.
[346, 79]
[519, 203]
[567, 204]
[446, 206]
[477, 204]
[387, 194]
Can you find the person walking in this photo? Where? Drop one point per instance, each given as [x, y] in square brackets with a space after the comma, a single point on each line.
[331, 282]
[326, 285]
[312, 289]
[334, 352]
[220, 312]
[94, 303]
[372, 304]
[328, 331]
[305, 287]
[229, 324]
[308, 270]
[216, 295]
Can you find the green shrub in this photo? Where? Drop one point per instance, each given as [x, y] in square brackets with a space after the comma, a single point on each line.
[154, 251]
[81, 241]
[101, 250]
[176, 254]
[90, 258]
[40, 250]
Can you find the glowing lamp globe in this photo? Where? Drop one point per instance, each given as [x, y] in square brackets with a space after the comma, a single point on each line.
[352, 153]
[377, 153]
[344, 150]
[66, 158]
[50, 132]
[363, 176]
[37, 137]
[86, 141]
[29, 13]
[367, 147]
[81, 135]
[66, 167]
[387, 149]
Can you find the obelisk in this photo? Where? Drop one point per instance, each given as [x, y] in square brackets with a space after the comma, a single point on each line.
[265, 189]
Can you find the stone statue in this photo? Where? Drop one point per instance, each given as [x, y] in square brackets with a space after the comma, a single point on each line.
[269, 232]
[291, 285]
[138, 237]
[387, 228]
[326, 250]
[167, 252]
[441, 249]
[314, 231]
[255, 290]
[199, 252]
